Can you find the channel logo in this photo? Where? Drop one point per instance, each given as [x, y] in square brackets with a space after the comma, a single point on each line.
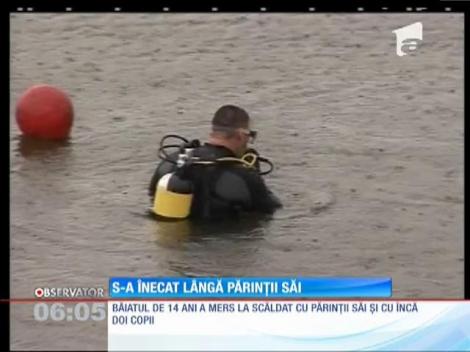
[408, 38]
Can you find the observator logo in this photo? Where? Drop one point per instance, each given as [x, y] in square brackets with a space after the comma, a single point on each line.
[68, 292]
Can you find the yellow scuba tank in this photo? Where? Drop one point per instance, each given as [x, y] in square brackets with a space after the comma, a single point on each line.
[174, 194]
[173, 197]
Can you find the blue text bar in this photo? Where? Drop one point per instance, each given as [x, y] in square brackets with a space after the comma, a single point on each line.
[244, 287]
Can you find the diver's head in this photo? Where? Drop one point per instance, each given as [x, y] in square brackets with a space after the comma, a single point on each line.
[231, 129]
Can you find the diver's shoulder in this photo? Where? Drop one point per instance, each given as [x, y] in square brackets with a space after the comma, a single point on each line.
[213, 150]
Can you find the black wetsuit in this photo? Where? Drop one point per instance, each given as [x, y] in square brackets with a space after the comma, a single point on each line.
[223, 189]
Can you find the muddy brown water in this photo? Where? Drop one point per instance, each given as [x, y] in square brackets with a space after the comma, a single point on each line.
[368, 149]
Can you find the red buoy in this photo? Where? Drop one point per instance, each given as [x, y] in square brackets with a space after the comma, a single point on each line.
[44, 112]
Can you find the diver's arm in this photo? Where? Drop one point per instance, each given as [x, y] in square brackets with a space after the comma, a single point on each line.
[262, 198]
[274, 200]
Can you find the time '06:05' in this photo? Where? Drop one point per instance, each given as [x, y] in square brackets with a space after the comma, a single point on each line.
[71, 312]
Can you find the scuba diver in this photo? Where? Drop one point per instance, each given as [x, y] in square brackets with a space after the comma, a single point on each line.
[215, 180]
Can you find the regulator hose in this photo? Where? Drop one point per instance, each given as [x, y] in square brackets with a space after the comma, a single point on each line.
[245, 159]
